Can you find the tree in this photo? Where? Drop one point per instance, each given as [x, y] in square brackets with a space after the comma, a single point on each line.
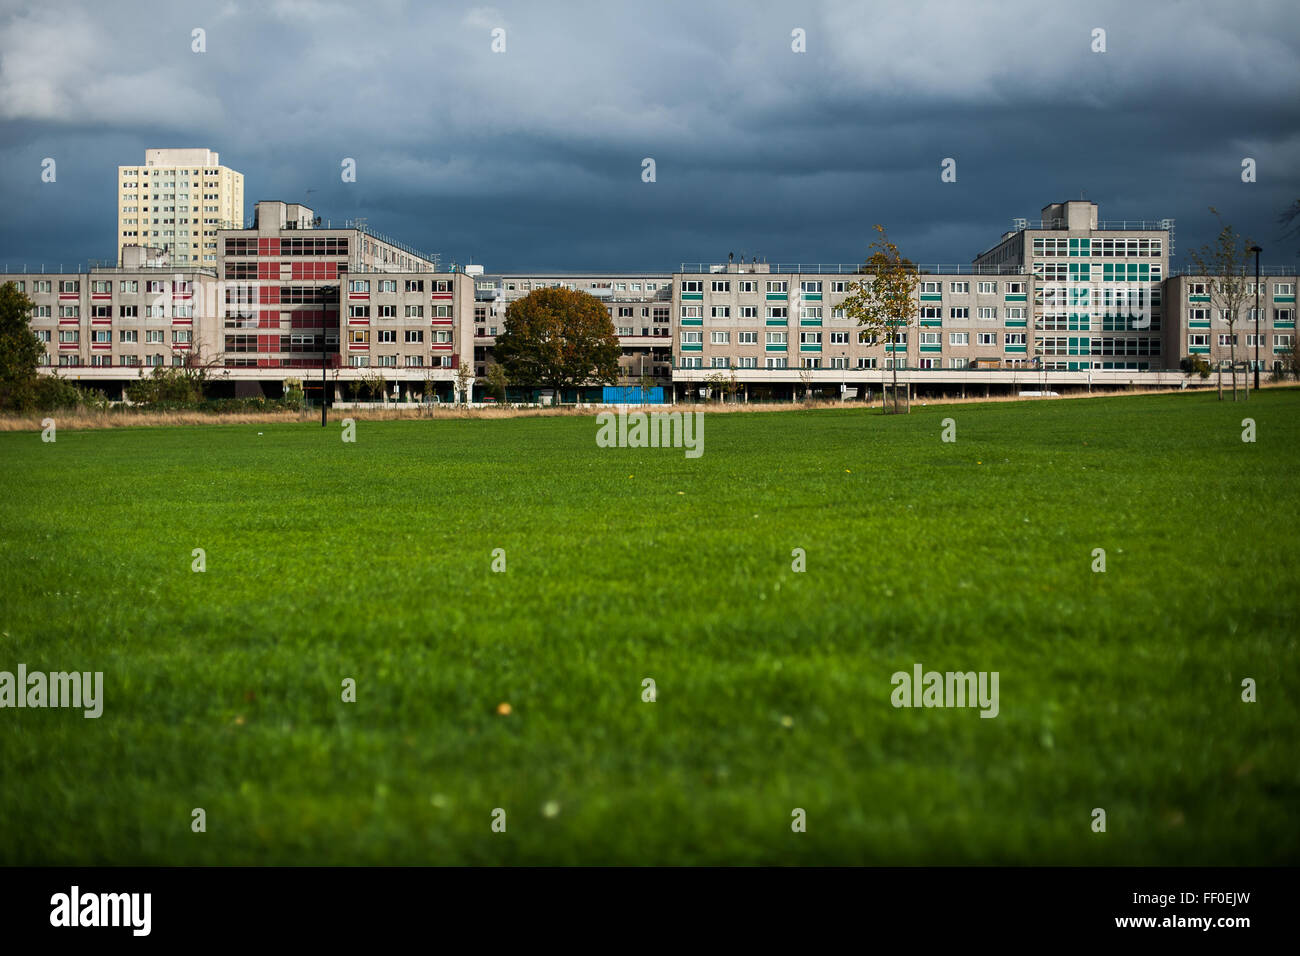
[1228, 269]
[887, 303]
[1290, 221]
[375, 384]
[464, 376]
[559, 338]
[20, 349]
[497, 381]
[646, 383]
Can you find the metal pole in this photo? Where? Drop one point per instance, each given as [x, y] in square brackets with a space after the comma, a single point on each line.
[1257, 250]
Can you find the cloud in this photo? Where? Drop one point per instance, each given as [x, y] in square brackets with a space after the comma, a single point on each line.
[537, 151]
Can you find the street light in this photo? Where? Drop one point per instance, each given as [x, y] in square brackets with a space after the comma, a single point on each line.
[1257, 250]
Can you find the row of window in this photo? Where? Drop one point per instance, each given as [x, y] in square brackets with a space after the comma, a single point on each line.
[1203, 315]
[1151, 248]
[106, 361]
[1282, 340]
[985, 339]
[390, 285]
[105, 286]
[126, 336]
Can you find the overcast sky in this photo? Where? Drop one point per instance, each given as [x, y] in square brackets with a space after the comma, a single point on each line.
[531, 158]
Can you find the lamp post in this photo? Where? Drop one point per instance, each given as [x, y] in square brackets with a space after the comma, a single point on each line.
[1257, 250]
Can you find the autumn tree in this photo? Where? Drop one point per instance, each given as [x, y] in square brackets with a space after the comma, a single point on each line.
[559, 338]
[1228, 269]
[886, 302]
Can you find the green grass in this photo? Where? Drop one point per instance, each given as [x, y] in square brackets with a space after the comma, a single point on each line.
[372, 560]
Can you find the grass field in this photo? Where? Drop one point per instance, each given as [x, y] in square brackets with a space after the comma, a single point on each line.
[372, 561]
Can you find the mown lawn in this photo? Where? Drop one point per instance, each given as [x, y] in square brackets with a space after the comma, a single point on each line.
[373, 561]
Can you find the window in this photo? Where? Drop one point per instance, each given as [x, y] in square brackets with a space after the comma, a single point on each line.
[961, 313]
[747, 338]
[778, 312]
[69, 286]
[69, 336]
[1015, 338]
[1015, 288]
[43, 335]
[959, 288]
[415, 311]
[101, 287]
[387, 335]
[414, 361]
[721, 285]
[777, 338]
[153, 336]
[839, 338]
[387, 285]
[126, 335]
[776, 362]
[930, 338]
[749, 311]
[721, 312]
[359, 285]
[388, 311]
[359, 336]
[931, 288]
[69, 311]
[987, 288]
[1013, 312]
[810, 338]
[987, 313]
[719, 361]
[958, 363]
[692, 311]
[1283, 341]
[720, 338]
[932, 312]
[692, 338]
[747, 285]
[811, 313]
[358, 312]
[413, 285]
[1283, 288]
[866, 362]
[41, 285]
[959, 338]
[986, 338]
[777, 286]
[693, 286]
[748, 361]
[839, 286]
[811, 287]
[1198, 340]
[359, 361]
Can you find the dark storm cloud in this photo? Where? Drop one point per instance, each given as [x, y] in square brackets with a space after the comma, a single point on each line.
[531, 158]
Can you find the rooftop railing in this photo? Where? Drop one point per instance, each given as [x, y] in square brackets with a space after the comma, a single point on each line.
[1291, 270]
[850, 268]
